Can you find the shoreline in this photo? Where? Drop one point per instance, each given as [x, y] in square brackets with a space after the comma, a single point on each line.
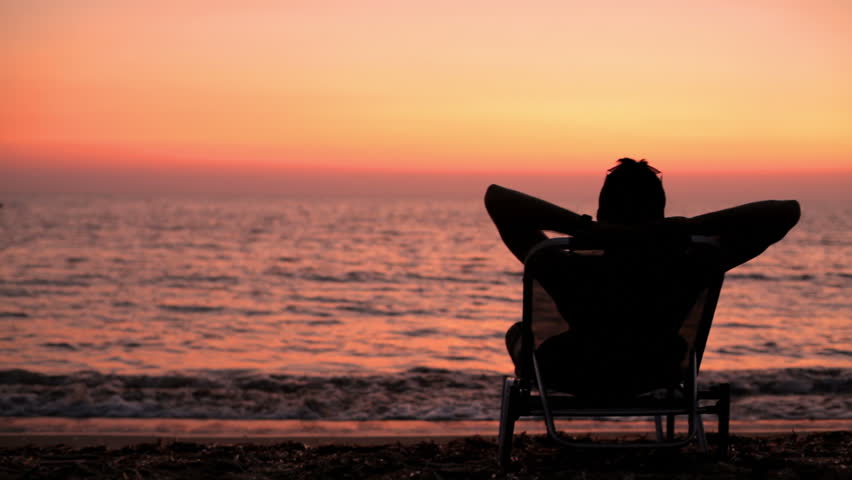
[122, 432]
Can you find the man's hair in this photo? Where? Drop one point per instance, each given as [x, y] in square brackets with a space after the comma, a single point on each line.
[632, 193]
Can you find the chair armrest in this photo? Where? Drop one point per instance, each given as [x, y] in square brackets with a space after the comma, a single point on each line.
[561, 243]
[566, 243]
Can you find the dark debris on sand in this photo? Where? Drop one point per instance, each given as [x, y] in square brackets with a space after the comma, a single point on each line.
[818, 456]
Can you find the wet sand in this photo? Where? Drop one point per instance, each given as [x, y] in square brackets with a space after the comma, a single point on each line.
[811, 455]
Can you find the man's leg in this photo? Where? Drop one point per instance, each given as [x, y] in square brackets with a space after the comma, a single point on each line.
[514, 344]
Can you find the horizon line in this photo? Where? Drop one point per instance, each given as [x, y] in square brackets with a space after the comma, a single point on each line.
[304, 169]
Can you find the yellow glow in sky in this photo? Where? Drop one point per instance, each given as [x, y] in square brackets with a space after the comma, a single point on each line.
[444, 85]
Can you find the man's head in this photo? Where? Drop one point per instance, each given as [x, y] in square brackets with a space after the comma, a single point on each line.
[632, 193]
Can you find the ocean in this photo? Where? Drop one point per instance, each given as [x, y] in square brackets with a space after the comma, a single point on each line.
[349, 309]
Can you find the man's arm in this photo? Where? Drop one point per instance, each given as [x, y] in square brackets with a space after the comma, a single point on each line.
[746, 231]
[522, 219]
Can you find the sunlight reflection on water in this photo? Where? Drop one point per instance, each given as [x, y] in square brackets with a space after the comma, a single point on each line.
[153, 285]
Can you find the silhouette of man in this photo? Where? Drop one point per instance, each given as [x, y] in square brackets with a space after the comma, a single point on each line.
[631, 211]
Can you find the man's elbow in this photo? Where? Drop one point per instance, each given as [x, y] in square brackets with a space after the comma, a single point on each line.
[793, 212]
[492, 191]
[787, 216]
[492, 198]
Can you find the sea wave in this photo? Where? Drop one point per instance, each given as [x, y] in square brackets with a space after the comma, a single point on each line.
[190, 308]
[416, 394]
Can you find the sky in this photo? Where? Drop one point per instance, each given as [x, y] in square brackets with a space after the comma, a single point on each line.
[127, 94]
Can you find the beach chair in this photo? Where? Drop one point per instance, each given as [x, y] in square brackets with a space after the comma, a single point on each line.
[617, 335]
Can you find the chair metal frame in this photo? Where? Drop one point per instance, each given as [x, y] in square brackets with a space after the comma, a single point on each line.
[527, 396]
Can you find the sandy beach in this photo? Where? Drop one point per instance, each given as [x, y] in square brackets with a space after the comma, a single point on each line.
[772, 455]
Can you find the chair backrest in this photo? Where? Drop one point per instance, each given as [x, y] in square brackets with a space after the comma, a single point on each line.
[619, 320]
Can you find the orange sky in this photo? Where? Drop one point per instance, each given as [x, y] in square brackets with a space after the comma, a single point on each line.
[437, 85]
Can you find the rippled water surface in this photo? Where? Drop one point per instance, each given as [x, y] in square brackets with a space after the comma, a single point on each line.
[289, 291]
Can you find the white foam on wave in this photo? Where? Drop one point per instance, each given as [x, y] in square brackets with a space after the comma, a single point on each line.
[417, 394]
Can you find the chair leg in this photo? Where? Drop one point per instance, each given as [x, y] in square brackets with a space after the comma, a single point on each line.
[658, 427]
[699, 434]
[723, 407]
[507, 421]
[670, 420]
[670, 427]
